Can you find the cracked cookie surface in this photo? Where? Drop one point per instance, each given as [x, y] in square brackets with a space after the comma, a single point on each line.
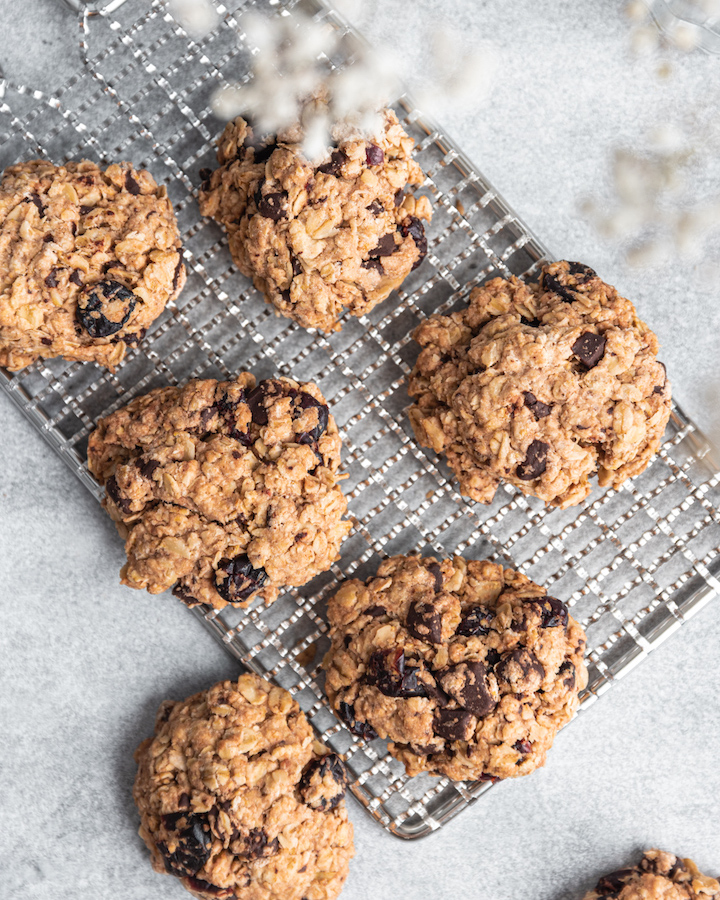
[237, 799]
[541, 385]
[467, 668]
[318, 239]
[658, 876]
[224, 491]
[88, 260]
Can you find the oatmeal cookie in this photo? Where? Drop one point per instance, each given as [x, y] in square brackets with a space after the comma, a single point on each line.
[237, 800]
[467, 668]
[541, 385]
[319, 238]
[225, 490]
[88, 260]
[658, 876]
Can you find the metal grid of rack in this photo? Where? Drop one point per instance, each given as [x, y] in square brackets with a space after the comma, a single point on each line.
[633, 564]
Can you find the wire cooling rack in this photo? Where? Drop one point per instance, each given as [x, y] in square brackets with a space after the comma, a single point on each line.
[633, 564]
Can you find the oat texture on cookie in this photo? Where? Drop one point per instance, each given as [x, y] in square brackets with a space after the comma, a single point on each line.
[223, 490]
[658, 876]
[88, 260]
[542, 386]
[467, 668]
[322, 237]
[237, 799]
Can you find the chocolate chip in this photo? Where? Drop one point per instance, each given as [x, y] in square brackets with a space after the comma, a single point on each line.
[475, 622]
[533, 323]
[337, 161]
[373, 264]
[424, 622]
[104, 308]
[75, 278]
[388, 672]
[257, 845]
[467, 684]
[414, 228]
[492, 658]
[566, 672]
[192, 843]
[307, 401]
[399, 197]
[237, 579]
[553, 611]
[357, 727]
[296, 267]
[535, 461]
[263, 147]
[437, 574]
[271, 205]
[113, 491]
[521, 669]
[454, 724]
[48, 239]
[35, 199]
[254, 401]
[51, 279]
[147, 468]
[46, 341]
[589, 349]
[314, 789]
[536, 407]
[84, 210]
[375, 612]
[374, 155]
[614, 882]
[386, 247]
[376, 208]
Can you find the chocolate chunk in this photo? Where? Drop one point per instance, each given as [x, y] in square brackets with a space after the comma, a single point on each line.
[414, 228]
[523, 746]
[104, 308]
[147, 468]
[192, 841]
[475, 622]
[566, 292]
[376, 208]
[236, 579]
[550, 283]
[553, 611]
[51, 279]
[536, 407]
[386, 246]
[323, 783]
[492, 658]
[454, 724]
[522, 670]
[263, 146]
[176, 273]
[35, 199]
[357, 727]
[535, 461]
[182, 592]
[434, 691]
[337, 161]
[589, 349]
[257, 845]
[271, 205]
[75, 278]
[48, 239]
[388, 672]
[437, 573]
[200, 886]
[205, 176]
[577, 268]
[131, 185]
[614, 882]
[566, 672]
[375, 612]
[307, 401]
[254, 398]
[113, 491]
[424, 621]
[533, 323]
[373, 264]
[659, 388]
[374, 155]
[399, 197]
[296, 266]
[467, 684]
[46, 341]
[84, 210]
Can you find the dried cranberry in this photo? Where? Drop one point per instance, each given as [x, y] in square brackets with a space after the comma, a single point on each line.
[524, 747]
[193, 843]
[476, 622]
[374, 155]
[414, 228]
[313, 787]
[388, 672]
[356, 726]
[104, 308]
[236, 579]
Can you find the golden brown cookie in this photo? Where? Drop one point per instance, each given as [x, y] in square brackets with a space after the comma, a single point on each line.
[224, 491]
[541, 385]
[467, 668]
[88, 260]
[319, 238]
[658, 876]
[238, 801]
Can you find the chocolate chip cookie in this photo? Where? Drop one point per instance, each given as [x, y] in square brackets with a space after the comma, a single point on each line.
[319, 238]
[467, 668]
[225, 491]
[237, 800]
[88, 260]
[541, 385]
[658, 876]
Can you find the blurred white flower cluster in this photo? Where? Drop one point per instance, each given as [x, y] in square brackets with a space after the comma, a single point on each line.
[655, 26]
[197, 17]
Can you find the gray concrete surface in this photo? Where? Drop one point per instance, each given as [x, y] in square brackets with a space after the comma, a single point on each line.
[84, 662]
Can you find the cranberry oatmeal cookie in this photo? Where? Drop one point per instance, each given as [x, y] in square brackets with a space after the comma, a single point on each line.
[541, 385]
[237, 800]
[658, 876]
[88, 260]
[467, 668]
[224, 491]
[318, 238]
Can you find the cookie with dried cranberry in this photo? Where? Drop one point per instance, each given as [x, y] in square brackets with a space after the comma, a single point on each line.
[319, 238]
[237, 800]
[658, 876]
[88, 260]
[223, 490]
[468, 669]
[542, 386]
